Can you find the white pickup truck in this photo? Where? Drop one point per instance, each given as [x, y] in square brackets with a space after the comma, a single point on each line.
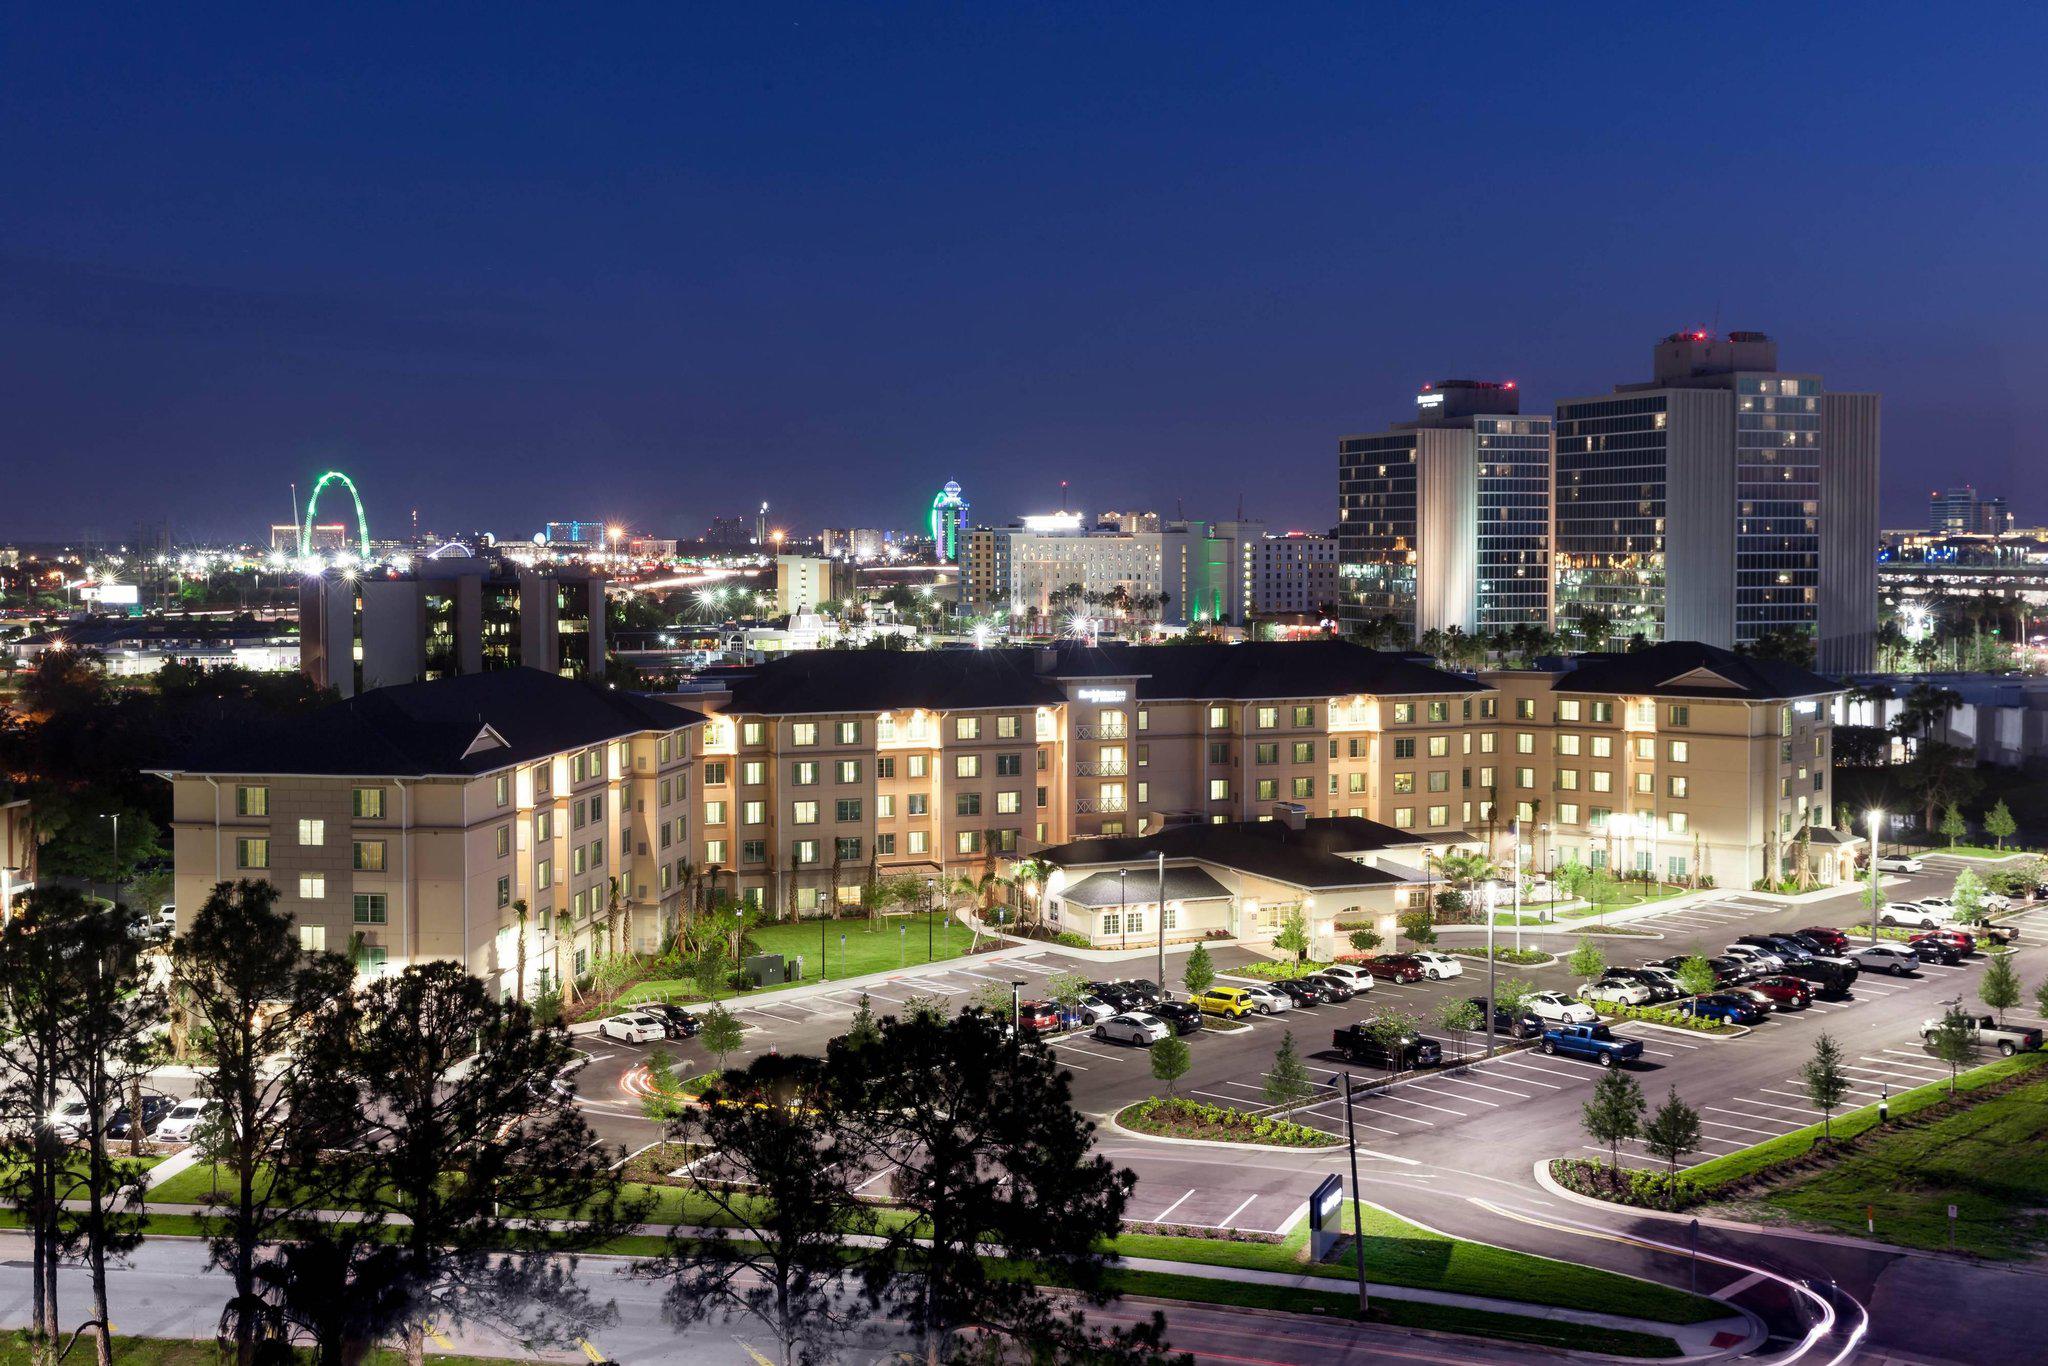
[1986, 1032]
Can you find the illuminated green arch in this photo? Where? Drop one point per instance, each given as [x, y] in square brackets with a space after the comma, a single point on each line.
[362, 522]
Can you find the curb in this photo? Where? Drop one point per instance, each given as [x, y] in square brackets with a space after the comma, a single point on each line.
[1741, 1031]
[1110, 1121]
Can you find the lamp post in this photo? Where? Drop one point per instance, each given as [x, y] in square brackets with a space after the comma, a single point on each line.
[116, 819]
[1489, 897]
[1122, 925]
[1516, 889]
[1016, 1017]
[1161, 966]
[1876, 816]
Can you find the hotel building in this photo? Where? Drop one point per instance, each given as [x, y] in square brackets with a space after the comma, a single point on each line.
[1445, 520]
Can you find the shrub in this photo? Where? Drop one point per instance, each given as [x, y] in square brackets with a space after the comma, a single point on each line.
[1665, 1016]
[1178, 1117]
[1631, 1186]
[1504, 954]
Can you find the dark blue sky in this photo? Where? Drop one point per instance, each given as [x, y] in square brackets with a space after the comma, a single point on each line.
[504, 267]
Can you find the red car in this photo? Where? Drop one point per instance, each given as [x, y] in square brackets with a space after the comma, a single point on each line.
[1786, 993]
[1039, 1017]
[1959, 940]
[1833, 940]
[1394, 967]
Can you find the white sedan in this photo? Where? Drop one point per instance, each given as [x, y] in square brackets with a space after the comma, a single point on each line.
[1900, 863]
[179, 1124]
[1615, 991]
[1556, 1008]
[632, 1028]
[1134, 1028]
[1437, 966]
[1269, 1000]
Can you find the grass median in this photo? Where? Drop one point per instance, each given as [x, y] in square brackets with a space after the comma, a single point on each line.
[1989, 1162]
[1720, 1172]
[1398, 1252]
[832, 950]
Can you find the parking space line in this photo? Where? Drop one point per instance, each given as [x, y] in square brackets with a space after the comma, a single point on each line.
[1160, 1217]
[1518, 1075]
[1239, 1210]
[1769, 1105]
[1498, 1090]
[1453, 1095]
[1402, 1098]
[1338, 1122]
[1917, 1060]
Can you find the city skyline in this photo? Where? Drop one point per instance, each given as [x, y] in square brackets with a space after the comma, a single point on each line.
[732, 258]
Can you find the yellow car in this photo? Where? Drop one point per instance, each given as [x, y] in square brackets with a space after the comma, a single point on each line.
[1229, 1002]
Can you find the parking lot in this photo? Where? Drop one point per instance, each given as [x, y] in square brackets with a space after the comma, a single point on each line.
[1485, 1122]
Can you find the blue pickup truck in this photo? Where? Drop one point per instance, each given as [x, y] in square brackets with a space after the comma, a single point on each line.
[1591, 1041]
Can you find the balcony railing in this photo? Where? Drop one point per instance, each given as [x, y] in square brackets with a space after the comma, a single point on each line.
[1084, 806]
[1102, 768]
[1097, 732]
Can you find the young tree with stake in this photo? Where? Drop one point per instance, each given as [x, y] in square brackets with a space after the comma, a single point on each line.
[1696, 976]
[1953, 827]
[1999, 824]
[1292, 938]
[1672, 1135]
[1289, 1080]
[1588, 960]
[1200, 972]
[1953, 1041]
[1171, 1060]
[1827, 1082]
[721, 1034]
[1614, 1114]
[1999, 987]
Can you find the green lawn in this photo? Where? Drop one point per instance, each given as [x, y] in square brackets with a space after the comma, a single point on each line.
[1731, 1167]
[1400, 1253]
[1629, 899]
[1989, 1161]
[847, 948]
[1972, 851]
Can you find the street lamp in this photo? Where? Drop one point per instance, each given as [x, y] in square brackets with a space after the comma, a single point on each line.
[1876, 816]
[1016, 1017]
[1489, 896]
[116, 819]
[1516, 829]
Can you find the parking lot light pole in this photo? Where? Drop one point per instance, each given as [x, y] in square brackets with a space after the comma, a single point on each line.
[1357, 1199]
[1517, 888]
[1489, 898]
[1161, 967]
[1875, 817]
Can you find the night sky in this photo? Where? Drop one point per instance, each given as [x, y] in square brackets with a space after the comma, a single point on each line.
[505, 267]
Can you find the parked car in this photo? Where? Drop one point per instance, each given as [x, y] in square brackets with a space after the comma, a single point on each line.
[1145, 989]
[1998, 934]
[154, 1108]
[1748, 992]
[1986, 1032]
[69, 1119]
[1829, 977]
[184, 1118]
[1914, 915]
[1756, 962]
[1395, 967]
[1888, 958]
[1899, 863]
[1788, 949]
[1728, 971]
[1785, 991]
[1964, 941]
[1556, 1008]
[1437, 966]
[680, 1023]
[1620, 991]
[1522, 1025]
[1303, 991]
[1136, 994]
[1721, 1006]
[1359, 1044]
[632, 1027]
[1184, 1016]
[1593, 1041]
[1351, 975]
[1826, 937]
[1661, 978]
[1133, 1028]
[1094, 1010]
[1929, 949]
[1340, 990]
[1230, 1002]
[1268, 1000]
[1039, 1017]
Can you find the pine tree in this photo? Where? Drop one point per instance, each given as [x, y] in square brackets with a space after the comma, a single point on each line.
[1999, 987]
[1288, 1081]
[863, 1030]
[1170, 1061]
[1827, 1085]
[1953, 1041]
[1999, 824]
[1200, 973]
[1615, 1113]
[1953, 826]
[1969, 898]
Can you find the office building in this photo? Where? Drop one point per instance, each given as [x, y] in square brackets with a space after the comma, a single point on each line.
[575, 535]
[328, 538]
[805, 583]
[729, 532]
[1444, 521]
[1128, 523]
[1962, 511]
[1293, 574]
[508, 821]
[450, 614]
[1720, 501]
[1188, 572]
[650, 547]
[985, 569]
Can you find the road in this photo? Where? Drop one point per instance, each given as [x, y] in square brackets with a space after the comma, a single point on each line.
[167, 1290]
[1457, 1151]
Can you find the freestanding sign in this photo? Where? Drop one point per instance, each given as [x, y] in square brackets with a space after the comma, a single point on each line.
[1325, 1224]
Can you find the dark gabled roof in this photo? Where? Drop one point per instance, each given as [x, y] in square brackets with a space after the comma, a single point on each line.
[1686, 668]
[886, 680]
[1260, 669]
[951, 680]
[1182, 884]
[1313, 856]
[470, 724]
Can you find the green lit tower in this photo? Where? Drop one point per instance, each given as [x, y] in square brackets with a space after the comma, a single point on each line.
[948, 521]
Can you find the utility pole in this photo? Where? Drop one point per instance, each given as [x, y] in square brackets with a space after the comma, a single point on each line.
[1357, 1201]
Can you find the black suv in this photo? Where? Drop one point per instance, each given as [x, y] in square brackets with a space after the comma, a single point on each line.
[1506, 1023]
[1660, 986]
[1338, 989]
[1303, 991]
[1184, 1016]
[680, 1023]
[1787, 948]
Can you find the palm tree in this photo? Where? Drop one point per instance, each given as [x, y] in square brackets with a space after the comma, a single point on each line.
[519, 978]
[1595, 627]
[1030, 874]
[1466, 869]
